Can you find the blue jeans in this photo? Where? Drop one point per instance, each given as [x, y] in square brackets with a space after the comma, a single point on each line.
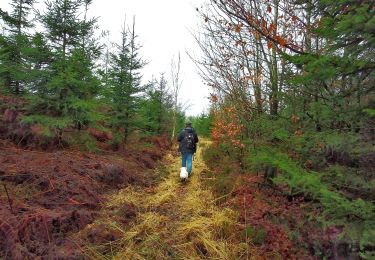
[187, 158]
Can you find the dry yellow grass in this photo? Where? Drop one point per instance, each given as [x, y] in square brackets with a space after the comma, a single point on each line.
[178, 221]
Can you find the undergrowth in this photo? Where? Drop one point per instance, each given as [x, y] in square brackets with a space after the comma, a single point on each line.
[230, 183]
[171, 221]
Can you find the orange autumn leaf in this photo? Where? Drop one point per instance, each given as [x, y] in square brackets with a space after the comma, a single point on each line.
[238, 28]
[264, 24]
[214, 98]
[280, 40]
[270, 45]
[271, 27]
[321, 146]
[298, 133]
[269, 9]
[294, 119]
[249, 18]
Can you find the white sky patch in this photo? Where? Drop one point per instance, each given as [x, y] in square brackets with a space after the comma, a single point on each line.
[163, 28]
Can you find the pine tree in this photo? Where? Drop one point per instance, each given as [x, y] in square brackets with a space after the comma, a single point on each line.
[161, 98]
[340, 75]
[39, 56]
[14, 44]
[157, 108]
[67, 96]
[125, 81]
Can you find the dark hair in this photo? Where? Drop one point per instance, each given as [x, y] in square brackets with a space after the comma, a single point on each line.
[188, 124]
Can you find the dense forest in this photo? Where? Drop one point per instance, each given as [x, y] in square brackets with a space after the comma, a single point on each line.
[293, 97]
[292, 109]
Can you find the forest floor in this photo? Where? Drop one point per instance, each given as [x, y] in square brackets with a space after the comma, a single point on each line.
[132, 205]
[173, 220]
[48, 196]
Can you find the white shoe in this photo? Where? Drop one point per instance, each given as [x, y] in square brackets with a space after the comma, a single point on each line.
[183, 173]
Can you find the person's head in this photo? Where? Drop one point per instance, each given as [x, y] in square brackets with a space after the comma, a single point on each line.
[188, 124]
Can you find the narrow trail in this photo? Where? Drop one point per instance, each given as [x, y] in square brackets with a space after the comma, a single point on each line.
[178, 220]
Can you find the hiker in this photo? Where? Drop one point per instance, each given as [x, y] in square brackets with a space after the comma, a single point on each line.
[188, 140]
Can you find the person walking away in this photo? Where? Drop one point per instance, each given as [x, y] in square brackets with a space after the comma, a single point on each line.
[188, 140]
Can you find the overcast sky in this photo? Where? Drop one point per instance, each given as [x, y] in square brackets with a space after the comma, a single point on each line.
[163, 27]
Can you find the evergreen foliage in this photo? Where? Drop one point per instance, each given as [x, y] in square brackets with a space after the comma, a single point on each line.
[156, 108]
[62, 85]
[14, 45]
[202, 124]
[56, 70]
[124, 81]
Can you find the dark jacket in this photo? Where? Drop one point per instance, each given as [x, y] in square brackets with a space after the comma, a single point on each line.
[181, 139]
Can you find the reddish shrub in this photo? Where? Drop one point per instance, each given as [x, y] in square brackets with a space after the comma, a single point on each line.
[10, 116]
[101, 136]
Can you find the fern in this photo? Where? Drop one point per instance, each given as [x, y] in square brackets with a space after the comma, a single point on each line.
[369, 111]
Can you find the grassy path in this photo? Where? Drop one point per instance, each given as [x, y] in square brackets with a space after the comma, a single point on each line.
[178, 221]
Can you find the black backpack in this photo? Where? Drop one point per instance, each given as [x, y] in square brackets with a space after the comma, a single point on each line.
[189, 140]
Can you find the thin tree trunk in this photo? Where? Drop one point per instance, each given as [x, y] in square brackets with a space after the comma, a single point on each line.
[274, 97]
[257, 87]
[175, 73]
[17, 89]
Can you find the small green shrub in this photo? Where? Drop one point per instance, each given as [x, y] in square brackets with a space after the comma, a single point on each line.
[222, 173]
[280, 134]
[116, 141]
[257, 235]
[50, 124]
[211, 155]
[148, 145]
[83, 140]
[223, 184]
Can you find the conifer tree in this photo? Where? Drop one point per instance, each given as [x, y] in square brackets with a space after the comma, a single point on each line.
[343, 72]
[38, 57]
[124, 80]
[14, 44]
[161, 99]
[67, 95]
[157, 107]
